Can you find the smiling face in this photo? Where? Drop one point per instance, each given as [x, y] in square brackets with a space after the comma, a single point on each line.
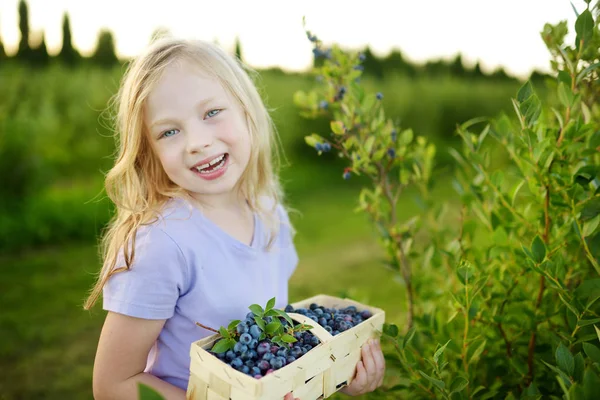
[199, 133]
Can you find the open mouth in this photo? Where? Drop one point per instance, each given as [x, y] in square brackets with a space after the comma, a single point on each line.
[214, 165]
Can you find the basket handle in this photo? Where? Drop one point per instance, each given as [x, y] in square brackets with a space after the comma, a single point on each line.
[316, 330]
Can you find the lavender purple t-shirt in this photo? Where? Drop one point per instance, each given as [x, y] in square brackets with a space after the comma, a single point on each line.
[187, 270]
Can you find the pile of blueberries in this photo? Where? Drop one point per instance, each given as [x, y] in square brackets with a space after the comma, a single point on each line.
[259, 358]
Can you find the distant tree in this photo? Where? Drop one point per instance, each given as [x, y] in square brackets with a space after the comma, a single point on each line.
[2, 52]
[24, 51]
[238, 49]
[395, 62]
[105, 54]
[39, 52]
[500, 74]
[436, 68]
[477, 72]
[67, 53]
[457, 67]
[373, 65]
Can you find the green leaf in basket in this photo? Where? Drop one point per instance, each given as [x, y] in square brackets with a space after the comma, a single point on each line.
[260, 322]
[224, 332]
[257, 310]
[288, 338]
[233, 324]
[302, 328]
[270, 304]
[147, 393]
[223, 345]
[284, 315]
[273, 327]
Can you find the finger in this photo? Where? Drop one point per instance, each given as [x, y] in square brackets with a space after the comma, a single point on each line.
[288, 396]
[359, 383]
[370, 367]
[379, 363]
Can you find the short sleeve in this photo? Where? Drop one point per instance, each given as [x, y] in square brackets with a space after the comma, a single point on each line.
[157, 277]
[289, 253]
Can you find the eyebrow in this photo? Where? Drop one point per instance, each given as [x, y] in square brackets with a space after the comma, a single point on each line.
[169, 120]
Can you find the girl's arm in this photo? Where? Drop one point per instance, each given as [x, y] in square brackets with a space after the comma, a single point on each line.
[121, 359]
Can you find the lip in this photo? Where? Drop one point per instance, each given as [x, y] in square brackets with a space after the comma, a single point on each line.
[206, 160]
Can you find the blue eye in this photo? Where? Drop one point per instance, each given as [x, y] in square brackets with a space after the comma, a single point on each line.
[169, 133]
[211, 114]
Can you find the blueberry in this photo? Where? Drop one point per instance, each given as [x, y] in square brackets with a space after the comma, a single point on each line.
[319, 147]
[245, 369]
[322, 321]
[289, 308]
[250, 315]
[241, 328]
[328, 329]
[379, 96]
[359, 67]
[240, 347]
[314, 341]
[366, 314]
[323, 104]
[346, 175]
[326, 147]
[255, 331]
[245, 338]
[230, 355]
[250, 363]
[237, 363]
[318, 312]
[255, 371]
[263, 365]
[362, 57]
[283, 352]
[263, 348]
[290, 359]
[268, 356]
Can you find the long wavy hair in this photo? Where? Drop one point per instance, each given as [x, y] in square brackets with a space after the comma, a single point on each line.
[137, 183]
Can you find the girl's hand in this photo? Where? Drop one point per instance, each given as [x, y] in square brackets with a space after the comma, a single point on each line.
[369, 371]
[289, 396]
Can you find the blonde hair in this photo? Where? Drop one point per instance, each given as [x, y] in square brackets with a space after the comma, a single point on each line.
[137, 183]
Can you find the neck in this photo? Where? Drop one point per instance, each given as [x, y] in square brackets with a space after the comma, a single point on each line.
[231, 202]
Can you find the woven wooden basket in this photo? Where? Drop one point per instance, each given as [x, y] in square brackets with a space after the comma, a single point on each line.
[318, 374]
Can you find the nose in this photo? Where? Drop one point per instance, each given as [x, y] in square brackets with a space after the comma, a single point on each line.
[198, 138]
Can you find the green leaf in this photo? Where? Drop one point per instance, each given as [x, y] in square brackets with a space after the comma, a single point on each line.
[233, 324]
[583, 73]
[406, 137]
[458, 384]
[257, 310]
[564, 359]
[584, 27]
[270, 304]
[224, 332]
[586, 322]
[311, 141]
[337, 127]
[271, 313]
[591, 383]
[222, 346]
[477, 353]
[390, 330]
[565, 95]
[147, 393]
[538, 249]
[592, 352]
[597, 331]
[369, 144]
[524, 92]
[440, 384]
[409, 336]
[465, 271]
[287, 338]
[579, 366]
[285, 316]
[591, 208]
[439, 352]
[500, 237]
[589, 227]
[272, 327]
[260, 322]
[300, 99]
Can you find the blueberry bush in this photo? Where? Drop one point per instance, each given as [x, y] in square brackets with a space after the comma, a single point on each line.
[501, 283]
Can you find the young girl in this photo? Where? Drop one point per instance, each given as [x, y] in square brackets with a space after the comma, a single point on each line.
[200, 230]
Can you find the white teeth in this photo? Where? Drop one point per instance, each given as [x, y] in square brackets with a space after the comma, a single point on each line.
[213, 162]
[220, 161]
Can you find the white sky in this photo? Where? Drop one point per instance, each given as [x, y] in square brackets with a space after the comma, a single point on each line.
[498, 32]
